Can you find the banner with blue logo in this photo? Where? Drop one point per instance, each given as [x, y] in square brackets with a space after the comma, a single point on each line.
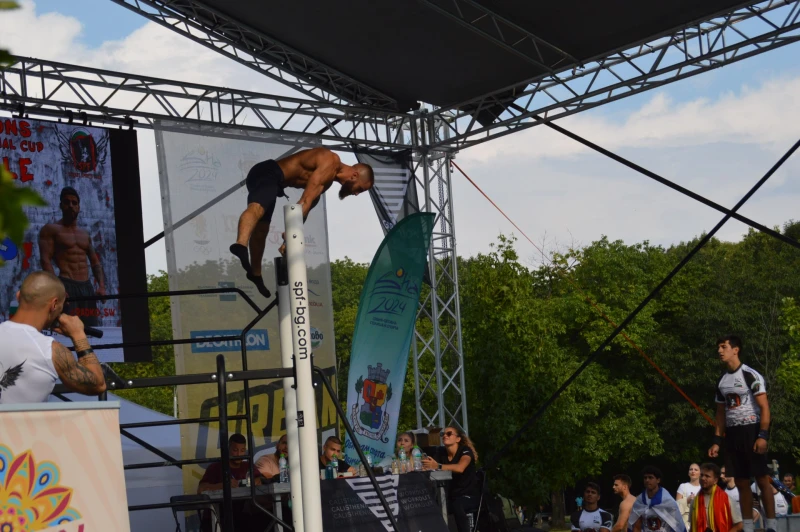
[256, 339]
[382, 336]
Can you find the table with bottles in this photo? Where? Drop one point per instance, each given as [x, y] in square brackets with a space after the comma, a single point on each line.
[400, 465]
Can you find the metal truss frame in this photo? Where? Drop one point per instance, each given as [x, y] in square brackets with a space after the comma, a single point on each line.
[212, 29]
[60, 90]
[687, 51]
[439, 376]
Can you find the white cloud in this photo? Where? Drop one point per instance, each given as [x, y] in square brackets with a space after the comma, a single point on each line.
[765, 115]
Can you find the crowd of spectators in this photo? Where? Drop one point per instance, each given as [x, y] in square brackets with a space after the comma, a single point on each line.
[708, 502]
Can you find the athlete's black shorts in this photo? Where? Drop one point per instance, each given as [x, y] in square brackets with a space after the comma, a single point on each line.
[264, 185]
[740, 459]
[85, 310]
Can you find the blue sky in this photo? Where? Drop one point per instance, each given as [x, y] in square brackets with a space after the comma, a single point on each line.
[102, 20]
[715, 133]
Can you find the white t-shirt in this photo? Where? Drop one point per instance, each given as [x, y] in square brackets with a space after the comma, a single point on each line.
[733, 495]
[737, 391]
[781, 506]
[687, 490]
[27, 374]
[586, 521]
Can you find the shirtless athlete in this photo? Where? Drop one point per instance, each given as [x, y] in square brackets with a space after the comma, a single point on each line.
[314, 171]
[69, 246]
[622, 487]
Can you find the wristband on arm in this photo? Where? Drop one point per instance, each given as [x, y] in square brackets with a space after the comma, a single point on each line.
[718, 440]
[84, 352]
[763, 434]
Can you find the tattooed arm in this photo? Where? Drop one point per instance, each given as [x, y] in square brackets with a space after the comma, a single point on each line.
[82, 375]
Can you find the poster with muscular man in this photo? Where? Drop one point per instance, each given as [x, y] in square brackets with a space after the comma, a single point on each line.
[75, 235]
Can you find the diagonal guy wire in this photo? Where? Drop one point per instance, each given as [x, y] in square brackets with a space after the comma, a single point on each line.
[652, 175]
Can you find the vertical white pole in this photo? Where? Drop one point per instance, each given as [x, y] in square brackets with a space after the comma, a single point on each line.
[306, 400]
[289, 395]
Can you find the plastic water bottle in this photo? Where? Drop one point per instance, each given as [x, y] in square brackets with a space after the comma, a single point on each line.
[335, 466]
[417, 454]
[403, 461]
[395, 467]
[284, 469]
[369, 458]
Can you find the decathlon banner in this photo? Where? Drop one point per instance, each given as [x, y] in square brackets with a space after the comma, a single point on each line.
[202, 171]
[382, 336]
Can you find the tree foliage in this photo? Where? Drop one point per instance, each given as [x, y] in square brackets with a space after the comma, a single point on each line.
[526, 330]
[163, 364]
[13, 198]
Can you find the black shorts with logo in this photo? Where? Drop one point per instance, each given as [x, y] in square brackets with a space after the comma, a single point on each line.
[264, 186]
[85, 310]
[740, 459]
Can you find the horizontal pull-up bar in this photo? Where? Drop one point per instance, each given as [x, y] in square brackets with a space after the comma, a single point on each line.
[171, 293]
[196, 378]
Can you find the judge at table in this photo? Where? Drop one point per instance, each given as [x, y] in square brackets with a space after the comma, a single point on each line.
[268, 465]
[212, 479]
[333, 447]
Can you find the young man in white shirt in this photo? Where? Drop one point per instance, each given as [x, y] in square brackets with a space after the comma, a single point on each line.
[742, 427]
[591, 518]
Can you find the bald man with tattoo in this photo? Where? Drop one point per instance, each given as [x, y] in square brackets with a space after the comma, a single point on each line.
[31, 362]
[313, 171]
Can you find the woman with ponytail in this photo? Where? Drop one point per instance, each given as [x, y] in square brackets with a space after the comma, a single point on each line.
[459, 456]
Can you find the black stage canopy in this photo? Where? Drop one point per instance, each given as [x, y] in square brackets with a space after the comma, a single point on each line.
[434, 51]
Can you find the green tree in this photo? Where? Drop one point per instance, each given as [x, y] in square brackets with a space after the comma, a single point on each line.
[521, 341]
[163, 364]
[347, 280]
[13, 198]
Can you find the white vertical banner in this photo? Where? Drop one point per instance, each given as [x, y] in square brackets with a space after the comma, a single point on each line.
[202, 171]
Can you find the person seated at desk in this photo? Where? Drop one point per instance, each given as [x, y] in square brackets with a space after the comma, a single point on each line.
[459, 456]
[333, 446]
[406, 441]
[212, 478]
[268, 466]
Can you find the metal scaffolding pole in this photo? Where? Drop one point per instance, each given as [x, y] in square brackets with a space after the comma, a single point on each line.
[90, 95]
[440, 387]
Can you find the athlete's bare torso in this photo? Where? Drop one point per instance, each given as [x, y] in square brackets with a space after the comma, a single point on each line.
[625, 508]
[69, 247]
[298, 168]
